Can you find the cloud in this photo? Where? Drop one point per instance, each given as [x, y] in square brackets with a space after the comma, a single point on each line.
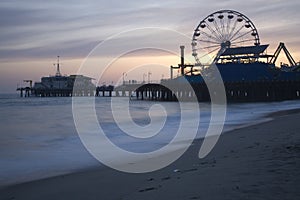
[32, 28]
[66, 49]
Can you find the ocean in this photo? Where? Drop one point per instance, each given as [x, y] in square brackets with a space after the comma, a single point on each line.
[38, 136]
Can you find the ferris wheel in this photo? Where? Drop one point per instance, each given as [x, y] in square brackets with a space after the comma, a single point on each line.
[221, 30]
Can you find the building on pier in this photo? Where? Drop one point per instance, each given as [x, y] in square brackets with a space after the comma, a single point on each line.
[59, 85]
[63, 86]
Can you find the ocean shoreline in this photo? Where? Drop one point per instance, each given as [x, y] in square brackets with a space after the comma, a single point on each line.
[144, 185]
[262, 119]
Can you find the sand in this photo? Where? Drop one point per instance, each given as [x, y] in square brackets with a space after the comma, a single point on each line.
[257, 162]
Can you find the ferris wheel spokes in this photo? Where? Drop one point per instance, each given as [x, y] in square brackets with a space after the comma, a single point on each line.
[221, 30]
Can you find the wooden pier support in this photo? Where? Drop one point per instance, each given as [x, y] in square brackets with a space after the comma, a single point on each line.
[241, 91]
[256, 91]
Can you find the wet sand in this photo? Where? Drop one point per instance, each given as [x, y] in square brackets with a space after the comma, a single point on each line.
[257, 162]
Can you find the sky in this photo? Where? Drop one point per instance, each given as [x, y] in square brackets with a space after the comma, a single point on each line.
[34, 32]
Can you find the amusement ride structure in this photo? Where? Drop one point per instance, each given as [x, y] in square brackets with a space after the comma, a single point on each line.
[230, 41]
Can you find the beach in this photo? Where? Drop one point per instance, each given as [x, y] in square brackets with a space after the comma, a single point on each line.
[255, 162]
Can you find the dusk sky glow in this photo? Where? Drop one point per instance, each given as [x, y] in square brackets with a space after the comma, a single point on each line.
[34, 32]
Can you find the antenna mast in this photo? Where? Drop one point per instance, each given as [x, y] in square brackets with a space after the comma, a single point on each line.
[57, 68]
